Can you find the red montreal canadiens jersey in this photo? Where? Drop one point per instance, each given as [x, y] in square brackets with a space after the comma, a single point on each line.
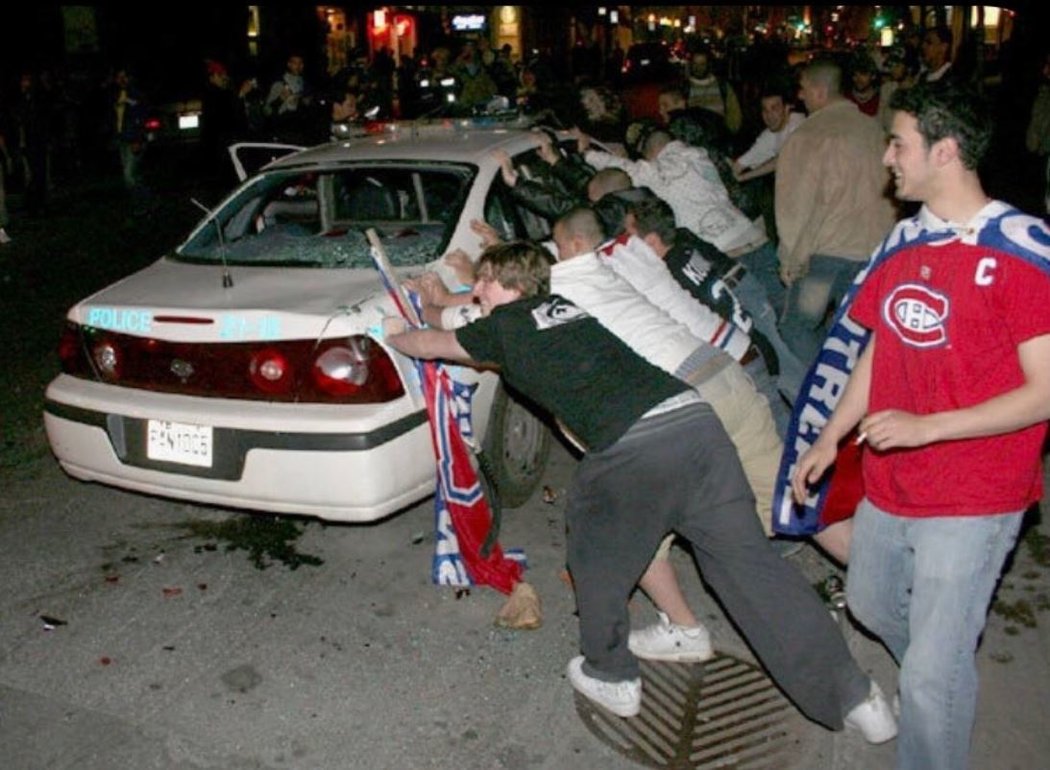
[948, 317]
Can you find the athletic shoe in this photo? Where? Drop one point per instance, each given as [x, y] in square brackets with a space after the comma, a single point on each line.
[873, 717]
[621, 698]
[666, 641]
[4, 237]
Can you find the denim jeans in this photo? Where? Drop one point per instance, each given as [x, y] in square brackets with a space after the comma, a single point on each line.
[763, 264]
[754, 295]
[766, 386]
[923, 585]
[805, 322]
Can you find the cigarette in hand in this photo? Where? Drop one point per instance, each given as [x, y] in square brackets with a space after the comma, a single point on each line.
[860, 439]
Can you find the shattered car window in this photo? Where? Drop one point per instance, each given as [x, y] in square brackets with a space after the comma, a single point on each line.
[318, 218]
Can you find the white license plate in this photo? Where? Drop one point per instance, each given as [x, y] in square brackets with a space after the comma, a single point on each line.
[179, 442]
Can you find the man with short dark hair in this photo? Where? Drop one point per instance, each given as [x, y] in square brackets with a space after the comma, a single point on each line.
[936, 54]
[780, 121]
[951, 395]
[831, 205]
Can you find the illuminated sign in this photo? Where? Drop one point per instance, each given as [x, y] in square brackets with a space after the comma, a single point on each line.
[468, 22]
[120, 319]
[232, 327]
[235, 327]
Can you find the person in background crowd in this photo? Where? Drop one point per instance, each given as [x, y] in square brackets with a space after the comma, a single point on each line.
[503, 72]
[604, 116]
[896, 74]
[288, 93]
[346, 107]
[476, 85]
[831, 206]
[698, 126]
[780, 121]
[864, 83]
[222, 119]
[382, 78]
[708, 90]
[128, 122]
[289, 104]
[1037, 137]
[31, 119]
[936, 54]
[952, 410]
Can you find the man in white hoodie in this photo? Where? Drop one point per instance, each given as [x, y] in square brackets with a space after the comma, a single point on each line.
[685, 177]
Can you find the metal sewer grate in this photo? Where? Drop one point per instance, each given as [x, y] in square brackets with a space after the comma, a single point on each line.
[724, 713]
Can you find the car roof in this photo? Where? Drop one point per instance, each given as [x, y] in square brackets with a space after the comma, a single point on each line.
[404, 142]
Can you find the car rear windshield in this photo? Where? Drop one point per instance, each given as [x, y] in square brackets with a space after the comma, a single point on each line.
[318, 218]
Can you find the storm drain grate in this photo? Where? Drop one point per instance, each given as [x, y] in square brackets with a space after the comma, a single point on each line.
[725, 713]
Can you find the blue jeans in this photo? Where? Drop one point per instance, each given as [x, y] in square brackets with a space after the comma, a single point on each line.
[763, 264]
[805, 321]
[755, 301]
[765, 385]
[762, 295]
[924, 586]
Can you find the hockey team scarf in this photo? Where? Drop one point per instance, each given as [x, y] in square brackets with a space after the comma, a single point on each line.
[1001, 228]
[462, 518]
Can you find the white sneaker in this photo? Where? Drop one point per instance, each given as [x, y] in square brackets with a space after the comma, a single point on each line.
[4, 237]
[873, 717]
[621, 698]
[666, 641]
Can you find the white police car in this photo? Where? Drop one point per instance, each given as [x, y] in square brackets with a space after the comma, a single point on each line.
[247, 368]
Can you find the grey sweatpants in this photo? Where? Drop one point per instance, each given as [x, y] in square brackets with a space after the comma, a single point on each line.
[678, 471]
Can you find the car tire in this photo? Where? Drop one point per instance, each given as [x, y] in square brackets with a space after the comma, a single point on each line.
[517, 445]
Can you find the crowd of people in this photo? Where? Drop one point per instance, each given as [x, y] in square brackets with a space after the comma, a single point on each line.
[670, 331]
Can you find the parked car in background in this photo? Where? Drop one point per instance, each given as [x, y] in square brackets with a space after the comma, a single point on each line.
[247, 367]
[175, 122]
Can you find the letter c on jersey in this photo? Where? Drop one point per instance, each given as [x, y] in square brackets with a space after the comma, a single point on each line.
[983, 276]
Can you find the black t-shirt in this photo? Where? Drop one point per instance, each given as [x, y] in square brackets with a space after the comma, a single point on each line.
[701, 269]
[564, 360]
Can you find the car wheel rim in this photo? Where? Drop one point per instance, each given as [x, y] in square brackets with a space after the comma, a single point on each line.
[522, 442]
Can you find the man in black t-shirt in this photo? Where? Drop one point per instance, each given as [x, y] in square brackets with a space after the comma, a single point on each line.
[656, 459]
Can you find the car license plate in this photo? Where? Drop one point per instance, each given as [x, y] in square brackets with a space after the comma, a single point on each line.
[179, 442]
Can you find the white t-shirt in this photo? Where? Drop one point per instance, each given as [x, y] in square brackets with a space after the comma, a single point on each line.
[768, 144]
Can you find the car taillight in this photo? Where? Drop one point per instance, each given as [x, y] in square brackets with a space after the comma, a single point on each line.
[357, 369]
[341, 370]
[71, 352]
[107, 358]
[152, 124]
[271, 372]
[347, 370]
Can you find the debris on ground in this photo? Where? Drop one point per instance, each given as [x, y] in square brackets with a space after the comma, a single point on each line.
[266, 538]
[522, 609]
[51, 623]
